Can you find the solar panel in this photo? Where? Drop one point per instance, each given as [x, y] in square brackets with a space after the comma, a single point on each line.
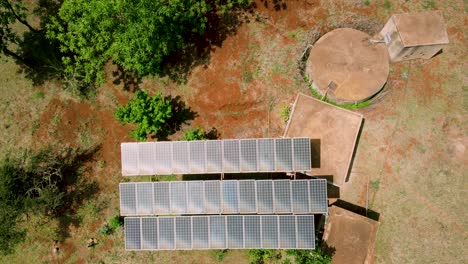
[318, 196]
[216, 156]
[127, 199]
[224, 197]
[149, 233]
[129, 156]
[231, 161]
[132, 233]
[146, 158]
[283, 154]
[265, 197]
[144, 203]
[220, 232]
[282, 196]
[247, 196]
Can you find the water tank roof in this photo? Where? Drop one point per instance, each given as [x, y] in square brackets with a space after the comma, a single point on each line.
[348, 65]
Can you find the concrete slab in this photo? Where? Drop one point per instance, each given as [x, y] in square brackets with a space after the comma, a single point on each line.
[351, 235]
[333, 132]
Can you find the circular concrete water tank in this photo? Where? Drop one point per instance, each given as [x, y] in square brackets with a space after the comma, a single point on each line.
[346, 66]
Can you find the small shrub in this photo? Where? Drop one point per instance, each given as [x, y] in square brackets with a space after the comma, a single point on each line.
[105, 230]
[116, 222]
[316, 256]
[375, 185]
[387, 4]
[367, 2]
[219, 255]
[285, 113]
[259, 256]
[429, 5]
[194, 134]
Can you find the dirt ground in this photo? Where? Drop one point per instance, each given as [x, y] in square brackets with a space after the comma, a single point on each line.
[333, 132]
[352, 236]
[410, 164]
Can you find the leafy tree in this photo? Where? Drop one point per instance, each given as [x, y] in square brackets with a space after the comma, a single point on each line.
[137, 35]
[150, 114]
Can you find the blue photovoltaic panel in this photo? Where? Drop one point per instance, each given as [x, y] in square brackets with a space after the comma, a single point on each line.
[220, 232]
[216, 156]
[224, 197]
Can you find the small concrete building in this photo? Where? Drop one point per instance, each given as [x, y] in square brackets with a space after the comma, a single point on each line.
[414, 35]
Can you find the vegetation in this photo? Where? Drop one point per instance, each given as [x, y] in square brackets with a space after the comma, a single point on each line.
[195, 134]
[316, 256]
[35, 183]
[150, 114]
[220, 254]
[285, 113]
[259, 256]
[136, 35]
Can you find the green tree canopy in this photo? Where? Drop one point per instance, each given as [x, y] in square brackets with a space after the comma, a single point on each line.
[137, 35]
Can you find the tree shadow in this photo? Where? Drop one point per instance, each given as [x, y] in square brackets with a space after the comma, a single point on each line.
[179, 64]
[278, 5]
[131, 80]
[77, 188]
[182, 114]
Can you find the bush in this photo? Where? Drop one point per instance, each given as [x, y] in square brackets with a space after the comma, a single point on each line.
[259, 256]
[150, 114]
[116, 222]
[219, 255]
[316, 256]
[105, 230]
[285, 113]
[195, 134]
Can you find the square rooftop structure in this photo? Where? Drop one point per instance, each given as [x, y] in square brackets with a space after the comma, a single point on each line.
[333, 133]
[414, 35]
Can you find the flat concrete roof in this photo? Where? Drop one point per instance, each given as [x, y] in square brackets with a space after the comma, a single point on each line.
[347, 58]
[424, 28]
[333, 132]
[351, 235]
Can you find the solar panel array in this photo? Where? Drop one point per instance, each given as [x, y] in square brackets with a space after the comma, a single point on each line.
[224, 197]
[220, 232]
[216, 156]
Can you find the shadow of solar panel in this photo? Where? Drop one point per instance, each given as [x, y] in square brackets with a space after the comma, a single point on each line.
[305, 232]
[166, 228]
[318, 196]
[214, 156]
[300, 196]
[144, 198]
[163, 157]
[247, 200]
[127, 199]
[183, 232]
[149, 233]
[212, 197]
[287, 224]
[146, 158]
[196, 197]
[283, 154]
[269, 231]
[162, 203]
[230, 197]
[231, 156]
[266, 155]
[282, 196]
[197, 156]
[129, 156]
[252, 231]
[302, 154]
[132, 233]
[248, 157]
[235, 231]
[178, 197]
[217, 232]
[264, 197]
[200, 232]
[180, 157]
